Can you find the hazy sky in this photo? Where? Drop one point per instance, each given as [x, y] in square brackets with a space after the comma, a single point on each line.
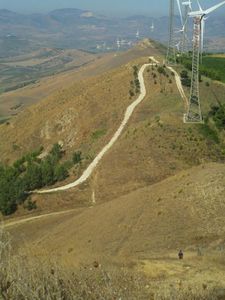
[127, 7]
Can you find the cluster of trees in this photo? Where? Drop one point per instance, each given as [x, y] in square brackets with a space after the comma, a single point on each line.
[135, 84]
[185, 79]
[30, 173]
[217, 112]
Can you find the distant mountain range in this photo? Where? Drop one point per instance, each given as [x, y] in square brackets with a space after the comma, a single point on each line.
[75, 28]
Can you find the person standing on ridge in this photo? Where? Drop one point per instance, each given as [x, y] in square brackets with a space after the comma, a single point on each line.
[181, 254]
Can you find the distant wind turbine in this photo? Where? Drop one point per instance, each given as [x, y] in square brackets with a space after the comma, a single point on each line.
[152, 27]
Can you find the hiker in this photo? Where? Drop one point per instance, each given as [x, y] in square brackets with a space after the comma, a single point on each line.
[181, 254]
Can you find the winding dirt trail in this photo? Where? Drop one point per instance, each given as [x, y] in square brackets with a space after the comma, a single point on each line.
[179, 86]
[129, 111]
[87, 173]
[34, 218]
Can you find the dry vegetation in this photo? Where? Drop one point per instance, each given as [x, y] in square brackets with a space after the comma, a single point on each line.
[159, 189]
[23, 277]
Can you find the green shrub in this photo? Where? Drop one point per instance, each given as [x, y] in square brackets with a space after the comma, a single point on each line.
[60, 173]
[217, 112]
[209, 133]
[161, 70]
[77, 157]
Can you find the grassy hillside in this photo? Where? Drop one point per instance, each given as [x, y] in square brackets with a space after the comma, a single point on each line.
[154, 146]
[142, 232]
[158, 190]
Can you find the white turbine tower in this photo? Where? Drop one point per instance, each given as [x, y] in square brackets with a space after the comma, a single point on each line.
[194, 114]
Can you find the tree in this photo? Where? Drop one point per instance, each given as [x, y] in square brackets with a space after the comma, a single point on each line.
[47, 173]
[184, 74]
[161, 70]
[60, 173]
[77, 158]
[11, 190]
[33, 177]
[56, 152]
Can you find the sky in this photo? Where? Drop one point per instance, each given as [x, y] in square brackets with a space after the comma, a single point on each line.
[110, 7]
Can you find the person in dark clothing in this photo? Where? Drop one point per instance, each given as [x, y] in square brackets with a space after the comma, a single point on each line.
[181, 254]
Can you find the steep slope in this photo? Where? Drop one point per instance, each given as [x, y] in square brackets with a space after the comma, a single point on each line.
[72, 115]
[183, 211]
[154, 145]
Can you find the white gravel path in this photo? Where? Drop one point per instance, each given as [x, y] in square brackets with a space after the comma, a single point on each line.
[129, 111]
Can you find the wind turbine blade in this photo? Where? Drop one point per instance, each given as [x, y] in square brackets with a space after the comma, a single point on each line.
[207, 11]
[200, 8]
[179, 8]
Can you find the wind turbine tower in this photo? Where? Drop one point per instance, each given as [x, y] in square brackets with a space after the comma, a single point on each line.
[171, 52]
[194, 114]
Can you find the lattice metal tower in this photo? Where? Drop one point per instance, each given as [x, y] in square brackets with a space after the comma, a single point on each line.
[184, 39]
[171, 52]
[194, 114]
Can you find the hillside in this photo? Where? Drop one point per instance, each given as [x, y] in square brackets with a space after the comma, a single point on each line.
[76, 112]
[143, 231]
[159, 189]
[84, 65]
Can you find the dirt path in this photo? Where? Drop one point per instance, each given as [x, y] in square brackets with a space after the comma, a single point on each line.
[34, 218]
[87, 173]
[129, 111]
[179, 86]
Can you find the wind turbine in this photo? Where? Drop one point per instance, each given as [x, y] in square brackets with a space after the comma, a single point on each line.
[118, 43]
[171, 49]
[178, 46]
[180, 12]
[202, 15]
[194, 114]
[152, 27]
[184, 31]
[137, 34]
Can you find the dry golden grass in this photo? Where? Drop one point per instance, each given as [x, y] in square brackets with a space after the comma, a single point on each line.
[26, 276]
[159, 189]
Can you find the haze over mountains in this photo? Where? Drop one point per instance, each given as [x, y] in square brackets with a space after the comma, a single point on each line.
[75, 28]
